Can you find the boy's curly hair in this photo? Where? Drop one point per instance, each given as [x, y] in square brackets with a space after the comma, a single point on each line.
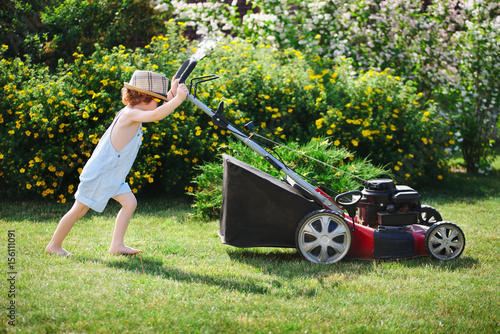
[134, 98]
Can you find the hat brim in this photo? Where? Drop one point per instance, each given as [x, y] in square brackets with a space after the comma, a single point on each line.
[146, 92]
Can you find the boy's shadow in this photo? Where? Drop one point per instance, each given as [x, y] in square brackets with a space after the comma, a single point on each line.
[154, 267]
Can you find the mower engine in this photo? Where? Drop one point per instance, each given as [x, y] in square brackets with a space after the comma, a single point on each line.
[384, 203]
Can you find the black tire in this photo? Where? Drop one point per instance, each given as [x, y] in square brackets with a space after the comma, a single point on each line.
[428, 216]
[323, 236]
[444, 241]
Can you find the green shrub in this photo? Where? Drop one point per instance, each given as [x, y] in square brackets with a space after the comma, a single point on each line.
[54, 29]
[207, 188]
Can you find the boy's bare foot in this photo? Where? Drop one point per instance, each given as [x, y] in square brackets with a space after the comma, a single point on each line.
[123, 250]
[57, 251]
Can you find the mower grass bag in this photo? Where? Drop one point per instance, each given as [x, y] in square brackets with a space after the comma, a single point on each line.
[258, 210]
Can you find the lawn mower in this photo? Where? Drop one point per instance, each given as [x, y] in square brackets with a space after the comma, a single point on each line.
[382, 221]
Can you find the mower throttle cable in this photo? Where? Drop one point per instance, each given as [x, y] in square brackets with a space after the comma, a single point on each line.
[305, 155]
[324, 188]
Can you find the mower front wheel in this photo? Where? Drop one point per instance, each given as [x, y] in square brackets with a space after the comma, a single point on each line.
[444, 241]
[323, 237]
[428, 216]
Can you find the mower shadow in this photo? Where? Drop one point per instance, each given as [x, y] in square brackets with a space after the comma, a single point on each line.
[290, 264]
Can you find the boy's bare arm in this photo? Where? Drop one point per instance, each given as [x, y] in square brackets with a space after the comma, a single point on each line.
[144, 116]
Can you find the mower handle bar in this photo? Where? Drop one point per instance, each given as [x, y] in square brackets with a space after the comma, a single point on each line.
[183, 73]
[185, 70]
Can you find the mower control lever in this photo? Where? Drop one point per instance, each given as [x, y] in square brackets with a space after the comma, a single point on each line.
[199, 80]
[356, 196]
[349, 206]
[249, 127]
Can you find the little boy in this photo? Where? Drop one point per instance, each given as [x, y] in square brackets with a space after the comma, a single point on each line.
[104, 174]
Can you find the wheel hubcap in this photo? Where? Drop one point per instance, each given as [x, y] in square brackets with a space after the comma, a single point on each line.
[324, 238]
[446, 242]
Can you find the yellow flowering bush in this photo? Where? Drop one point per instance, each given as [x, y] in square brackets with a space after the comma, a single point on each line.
[380, 116]
[50, 121]
[290, 96]
[268, 86]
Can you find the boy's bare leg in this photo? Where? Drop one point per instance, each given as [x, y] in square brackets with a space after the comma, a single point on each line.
[129, 203]
[77, 211]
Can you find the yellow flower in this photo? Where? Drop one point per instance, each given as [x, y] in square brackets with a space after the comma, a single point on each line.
[396, 167]
[440, 177]
[389, 99]
[336, 143]
[354, 142]
[319, 123]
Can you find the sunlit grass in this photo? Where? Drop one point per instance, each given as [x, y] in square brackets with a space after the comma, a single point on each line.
[193, 283]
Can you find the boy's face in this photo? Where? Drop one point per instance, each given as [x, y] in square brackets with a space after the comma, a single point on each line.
[151, 105]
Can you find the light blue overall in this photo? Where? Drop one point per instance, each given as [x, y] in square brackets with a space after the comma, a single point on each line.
[104, 174]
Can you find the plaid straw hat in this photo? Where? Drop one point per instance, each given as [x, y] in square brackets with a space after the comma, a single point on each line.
[149, 83]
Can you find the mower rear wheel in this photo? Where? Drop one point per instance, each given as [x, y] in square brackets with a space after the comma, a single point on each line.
[429, 216]
[444, 241]
[323, 236]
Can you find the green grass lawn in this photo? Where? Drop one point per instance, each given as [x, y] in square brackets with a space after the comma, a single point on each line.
[192, 283]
